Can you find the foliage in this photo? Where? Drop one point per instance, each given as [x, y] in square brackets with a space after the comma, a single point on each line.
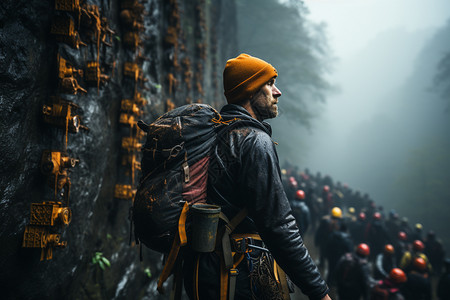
[100, 260]
[442, 79]
[281, 34]
[148, 272]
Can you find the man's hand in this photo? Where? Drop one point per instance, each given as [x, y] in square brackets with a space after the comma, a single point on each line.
[326, 298]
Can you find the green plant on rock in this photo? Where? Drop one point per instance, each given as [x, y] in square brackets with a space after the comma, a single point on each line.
[148, 272]
[100, 260]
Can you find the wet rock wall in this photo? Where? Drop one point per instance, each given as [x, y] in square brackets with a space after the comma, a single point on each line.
[180, 51]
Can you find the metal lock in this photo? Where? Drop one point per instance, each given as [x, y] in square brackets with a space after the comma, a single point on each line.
[50, 214]
[63, 28]
[124, 191]
[53, 162]
[93, 74]
[130, 107]
[127, 119]
[131, 144]
[67, 70]
[59, 114]
[131, 40]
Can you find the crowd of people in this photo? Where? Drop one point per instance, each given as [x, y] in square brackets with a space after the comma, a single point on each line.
[364, 251]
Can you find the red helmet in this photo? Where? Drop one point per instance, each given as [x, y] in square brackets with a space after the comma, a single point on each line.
[420, 264]
[363, 250]
[326, 188]
[300, 194]
[389, 249]
[292, 178]
[377, 216]
[397, 275]
[362, 216]
[402, 236]
[418, 245]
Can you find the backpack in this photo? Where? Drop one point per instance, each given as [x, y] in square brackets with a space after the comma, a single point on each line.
[347, 273]
[175, 171]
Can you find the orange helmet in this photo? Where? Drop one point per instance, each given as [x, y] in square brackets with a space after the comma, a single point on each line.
[362, 216]
[389, 249]
[397, 275]
[402, 236]
[300, 194]
[418, 245]
[363, 250]
[377, 216]
[420, 264]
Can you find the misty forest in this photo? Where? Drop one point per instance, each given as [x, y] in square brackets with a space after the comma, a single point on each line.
[371, 123]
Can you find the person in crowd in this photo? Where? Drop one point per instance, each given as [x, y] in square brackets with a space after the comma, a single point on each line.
[357, 229]
[328, 224]
[434, 250]
[406, 263]
[352, 274]
[385, 262]
[377, 235]
[339, 242]
[443, 289]
[301, 212]
[417, 233]
[401, 245]
[389, 288]
[418, 284]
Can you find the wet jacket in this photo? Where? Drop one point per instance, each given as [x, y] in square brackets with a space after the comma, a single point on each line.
[244, 172]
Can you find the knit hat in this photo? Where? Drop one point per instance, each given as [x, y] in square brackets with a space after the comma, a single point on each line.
[245, 75]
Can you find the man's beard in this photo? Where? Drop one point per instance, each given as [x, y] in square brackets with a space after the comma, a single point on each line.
[266, 111]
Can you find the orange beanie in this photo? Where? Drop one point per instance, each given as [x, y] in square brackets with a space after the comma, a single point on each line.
[245, 75]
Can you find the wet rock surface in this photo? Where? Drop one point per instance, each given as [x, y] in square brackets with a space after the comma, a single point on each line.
[28, 78]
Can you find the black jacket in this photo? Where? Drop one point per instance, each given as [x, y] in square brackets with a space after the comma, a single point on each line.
[244, 172]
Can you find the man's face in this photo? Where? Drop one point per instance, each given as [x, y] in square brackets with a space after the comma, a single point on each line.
[264, 102]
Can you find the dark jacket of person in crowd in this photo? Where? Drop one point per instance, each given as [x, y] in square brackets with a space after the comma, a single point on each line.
[352, 275]
[418, 284]
[443, 289]
[384, 262]
[339, 242]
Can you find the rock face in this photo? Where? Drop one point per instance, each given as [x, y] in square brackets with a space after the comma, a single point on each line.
[182, 50]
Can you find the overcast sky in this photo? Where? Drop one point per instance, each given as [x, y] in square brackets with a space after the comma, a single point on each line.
[376, 43]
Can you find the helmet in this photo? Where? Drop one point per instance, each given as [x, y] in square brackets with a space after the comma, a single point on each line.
[420, 264]
[292, 179]
[397, 275]
[300, 194]
[326, 188]
[362, 216]
[419, 226]
[402, 236]
[418, 245]
[363, 250]
[377, 216]
[351, 210]
[389, 249]
[336, 212]
[283, 171]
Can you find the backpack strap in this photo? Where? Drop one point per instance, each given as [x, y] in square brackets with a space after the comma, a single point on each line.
[179, 241]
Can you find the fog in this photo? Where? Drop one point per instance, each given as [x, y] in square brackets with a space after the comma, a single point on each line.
[376, 45]
[360, 101]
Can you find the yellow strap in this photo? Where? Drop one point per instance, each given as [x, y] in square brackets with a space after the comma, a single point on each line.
[175, 248]
[197, 263]
[282, 281]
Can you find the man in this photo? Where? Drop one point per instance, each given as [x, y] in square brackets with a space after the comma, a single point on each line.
[244, 173]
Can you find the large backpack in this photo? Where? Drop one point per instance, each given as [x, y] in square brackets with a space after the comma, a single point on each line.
[175, 170]
[347, 271]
